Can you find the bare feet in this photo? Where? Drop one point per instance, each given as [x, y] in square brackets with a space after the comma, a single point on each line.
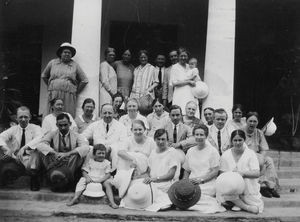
[113, 205]
[73, 202]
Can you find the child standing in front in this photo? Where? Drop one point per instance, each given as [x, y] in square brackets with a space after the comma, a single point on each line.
[95, 170]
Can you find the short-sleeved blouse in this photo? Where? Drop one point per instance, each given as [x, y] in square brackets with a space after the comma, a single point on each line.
[256, 141]
[248, 161]
[146, 148]
[160, 164]
[82, 124]
[157, 122]
[63, 76]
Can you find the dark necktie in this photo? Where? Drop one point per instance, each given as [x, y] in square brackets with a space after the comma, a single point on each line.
[63, 140]
[175, 134]
[23, 138]
[160, 76]
[219, 142]
[107, 128]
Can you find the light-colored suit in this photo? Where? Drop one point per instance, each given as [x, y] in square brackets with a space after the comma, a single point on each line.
[225, 137]
[10, 141]
[51, 142]
[167, 89]
[184, 138]
[116, 134]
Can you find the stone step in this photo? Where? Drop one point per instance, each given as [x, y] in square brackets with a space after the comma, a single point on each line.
[285, 162]
[286, 200]
[288, 172]
[28, 210]
[289, 185]
[283, 154]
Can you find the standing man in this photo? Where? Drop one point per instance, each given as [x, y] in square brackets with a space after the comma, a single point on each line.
[63, 153]
[17, 150]
[219, 132]
[167, 89]
[209, 116]
[107, 131]
[160, 69]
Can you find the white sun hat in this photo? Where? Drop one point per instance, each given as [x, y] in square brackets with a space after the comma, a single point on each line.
[94, 190]
[200, 90]
[270, 128]
[122, 180]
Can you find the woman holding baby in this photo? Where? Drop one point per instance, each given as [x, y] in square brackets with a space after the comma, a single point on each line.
[183, 78]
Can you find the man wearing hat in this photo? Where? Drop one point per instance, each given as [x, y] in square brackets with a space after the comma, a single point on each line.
[17, 149]
[63, 153]
[64, 78]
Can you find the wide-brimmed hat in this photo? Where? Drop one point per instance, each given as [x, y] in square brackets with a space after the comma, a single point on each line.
[270, 128]
[122, 180]
[183, 194]
[139, 195]
[63, 46]
[200, 90]
[230, 183]
[94, 190]
[60, 177]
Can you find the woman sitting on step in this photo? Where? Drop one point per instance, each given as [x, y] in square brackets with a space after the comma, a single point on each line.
[242, 160]
[256, 141]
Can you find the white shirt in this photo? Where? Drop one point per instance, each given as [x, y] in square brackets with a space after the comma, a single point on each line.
[10, 139]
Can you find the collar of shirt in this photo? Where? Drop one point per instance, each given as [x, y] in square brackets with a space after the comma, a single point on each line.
[81, 117]
[59, 61]
[68, 133]
[222, 130]
[23, 128]
[109, 125]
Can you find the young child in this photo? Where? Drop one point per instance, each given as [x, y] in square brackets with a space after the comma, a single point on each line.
[194, 72]
[95, 170]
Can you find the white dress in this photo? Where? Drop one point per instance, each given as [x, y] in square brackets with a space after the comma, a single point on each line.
[160, 164]
[132, 147]
[182, 94]
[199, 162]
[248, 161]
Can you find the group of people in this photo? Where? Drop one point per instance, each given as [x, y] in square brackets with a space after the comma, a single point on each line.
[65, 79]
[127, 151]
[159, 149]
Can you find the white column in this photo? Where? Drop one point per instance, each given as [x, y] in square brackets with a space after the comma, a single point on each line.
[219, 58]
[86, 38]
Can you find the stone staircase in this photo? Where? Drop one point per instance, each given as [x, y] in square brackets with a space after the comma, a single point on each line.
[20, 204]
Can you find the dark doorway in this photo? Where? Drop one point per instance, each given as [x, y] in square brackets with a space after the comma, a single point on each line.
[22, 52]
[155, 38]
[267, 65]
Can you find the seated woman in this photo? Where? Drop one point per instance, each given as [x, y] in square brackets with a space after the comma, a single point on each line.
[189, 118]
[162, 164]
[256, 141]
[201, 168]
[238, 121]
[138, 143]
[49, 122]
[84, 120]
[132, 114]
[158, 119]
[243, 160]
